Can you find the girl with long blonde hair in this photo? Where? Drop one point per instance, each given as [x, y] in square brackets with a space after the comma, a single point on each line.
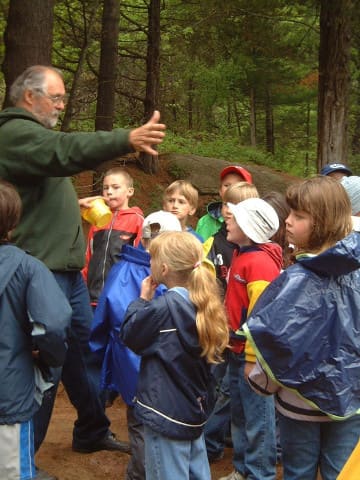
[178, 336]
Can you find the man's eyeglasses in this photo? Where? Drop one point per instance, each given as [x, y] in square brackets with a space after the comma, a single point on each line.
[55, 99]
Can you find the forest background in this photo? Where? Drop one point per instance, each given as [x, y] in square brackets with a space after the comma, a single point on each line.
[266, 82]
[269, 83]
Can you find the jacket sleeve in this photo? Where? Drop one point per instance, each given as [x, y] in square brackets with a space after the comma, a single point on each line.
[207, 226]
[121, 287]
[49, 313]
[139, 230]
[255, 289]
[101, 327]
[88, 254]
[141, 326]
[57, 154]
[259, 275]
[207, 246]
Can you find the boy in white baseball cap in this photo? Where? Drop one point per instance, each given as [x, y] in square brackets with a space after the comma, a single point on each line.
[158, 222]
[255, 264]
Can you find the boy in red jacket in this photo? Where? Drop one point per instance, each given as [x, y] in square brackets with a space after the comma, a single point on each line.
[125, 227]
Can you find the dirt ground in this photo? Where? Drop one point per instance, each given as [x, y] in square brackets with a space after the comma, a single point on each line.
[57, 458]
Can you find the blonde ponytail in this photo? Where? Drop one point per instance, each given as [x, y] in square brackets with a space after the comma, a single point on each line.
[183, 254]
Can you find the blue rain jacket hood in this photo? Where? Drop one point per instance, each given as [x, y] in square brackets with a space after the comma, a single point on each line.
[305, 329]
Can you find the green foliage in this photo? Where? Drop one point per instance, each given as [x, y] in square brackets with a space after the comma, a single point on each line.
[220, 62]
[354, 163]
[289, 160]
[156, 199]
[178, 172]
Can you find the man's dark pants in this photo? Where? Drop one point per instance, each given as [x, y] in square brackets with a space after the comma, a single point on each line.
[80, 374]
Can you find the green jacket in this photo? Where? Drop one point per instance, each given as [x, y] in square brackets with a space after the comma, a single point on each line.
[211, 222]
[37, 161]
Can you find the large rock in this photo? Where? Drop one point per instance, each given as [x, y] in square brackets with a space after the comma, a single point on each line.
[203, 173]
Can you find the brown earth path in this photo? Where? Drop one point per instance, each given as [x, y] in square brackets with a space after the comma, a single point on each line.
[56, 456]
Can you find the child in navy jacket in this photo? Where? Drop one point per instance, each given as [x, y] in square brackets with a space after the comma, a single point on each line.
[178, 336]
[33, 337]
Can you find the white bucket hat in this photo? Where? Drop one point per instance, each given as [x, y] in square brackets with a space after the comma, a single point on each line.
[256, 218]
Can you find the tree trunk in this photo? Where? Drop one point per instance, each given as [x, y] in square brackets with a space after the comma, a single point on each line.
[190, 103]
[28, 38]
[237, 117]
[334, 81]
[252, 118]
[105, 105]
[307, 142]
[150, 163]
[174, 110]
[65, 125]
[269, 123]
[355, 142]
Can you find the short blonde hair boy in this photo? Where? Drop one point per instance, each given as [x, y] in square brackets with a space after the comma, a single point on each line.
[120, 171]
[239, 191]
[185, 188]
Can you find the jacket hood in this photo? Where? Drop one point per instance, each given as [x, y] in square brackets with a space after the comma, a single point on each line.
[183, 314]
[10, 258]
[12, 113]
[274, 251]
[131, 211]
[136, 255]
[342, 258]
[214, 210]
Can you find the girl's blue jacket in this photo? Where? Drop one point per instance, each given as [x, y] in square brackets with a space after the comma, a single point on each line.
[120, 366]
[172, 393]
[305, 328]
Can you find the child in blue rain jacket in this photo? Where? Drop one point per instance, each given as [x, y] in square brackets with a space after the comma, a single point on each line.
[120, 367]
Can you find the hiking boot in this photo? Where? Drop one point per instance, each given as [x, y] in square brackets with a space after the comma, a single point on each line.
[234, 475]
[109, 442]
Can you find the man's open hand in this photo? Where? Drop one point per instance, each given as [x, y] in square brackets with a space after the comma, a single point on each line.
[152, 133]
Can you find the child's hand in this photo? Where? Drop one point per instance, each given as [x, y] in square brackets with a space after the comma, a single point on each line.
[86, 202]
[148, 287]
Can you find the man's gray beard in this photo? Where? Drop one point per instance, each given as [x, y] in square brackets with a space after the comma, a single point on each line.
[47, 120]
[52, 122]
